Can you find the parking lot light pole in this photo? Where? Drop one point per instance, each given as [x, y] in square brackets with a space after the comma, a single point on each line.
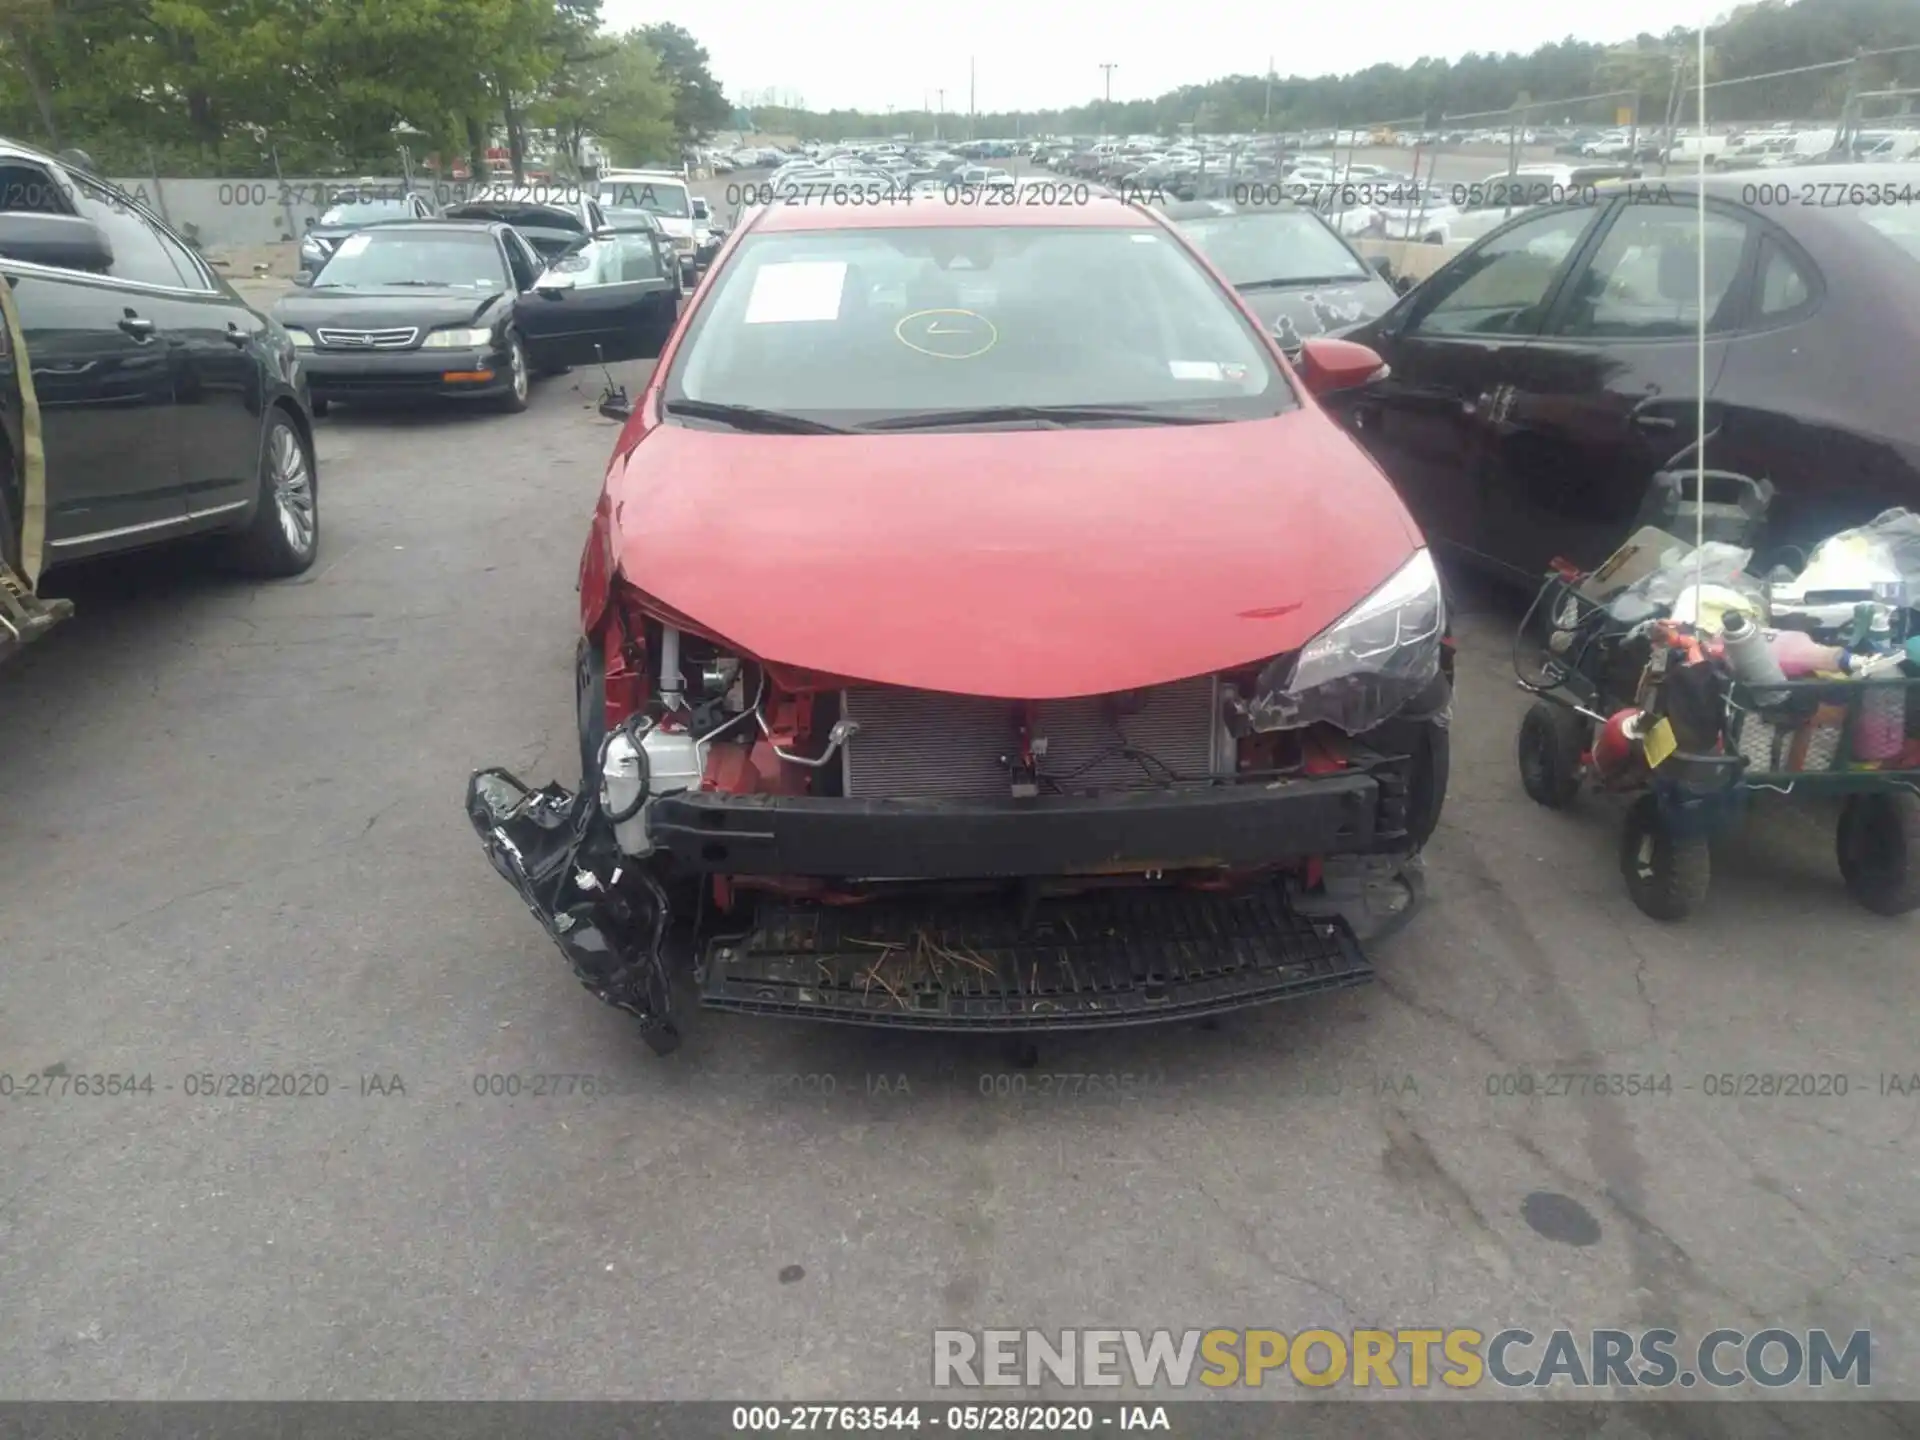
[1106, 110]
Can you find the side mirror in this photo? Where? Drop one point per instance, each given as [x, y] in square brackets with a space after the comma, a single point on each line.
[1383, 267]
[1403, 284]
[303, 278]
[1328, 365]
[64, 242]
[614, 404]
[553, 287]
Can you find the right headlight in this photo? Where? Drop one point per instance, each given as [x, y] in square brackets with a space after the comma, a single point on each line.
[458, 339]
[1365, 666]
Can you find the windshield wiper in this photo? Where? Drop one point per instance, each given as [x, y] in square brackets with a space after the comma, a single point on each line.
[752, 417]
[1044, 414]
[1299, 280]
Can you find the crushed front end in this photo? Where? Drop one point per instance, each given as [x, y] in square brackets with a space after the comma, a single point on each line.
[828, 848]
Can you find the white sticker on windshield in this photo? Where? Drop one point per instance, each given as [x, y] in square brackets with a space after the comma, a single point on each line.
[1146, 239]
[354, 244]
[1196, 370]
[797, 291]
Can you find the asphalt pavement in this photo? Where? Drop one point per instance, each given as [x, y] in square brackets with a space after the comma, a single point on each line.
[232, 845]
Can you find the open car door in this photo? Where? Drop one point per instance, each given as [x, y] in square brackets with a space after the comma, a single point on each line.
[615, 298]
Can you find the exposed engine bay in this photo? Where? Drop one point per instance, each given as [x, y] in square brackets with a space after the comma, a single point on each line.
[843, 850]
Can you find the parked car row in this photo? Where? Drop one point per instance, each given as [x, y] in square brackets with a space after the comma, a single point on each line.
[169, 407]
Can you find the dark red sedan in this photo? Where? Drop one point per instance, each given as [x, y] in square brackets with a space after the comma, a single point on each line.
[1542, 377]
[983, 627]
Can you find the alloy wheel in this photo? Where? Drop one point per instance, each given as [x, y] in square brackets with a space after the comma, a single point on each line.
[292, 488]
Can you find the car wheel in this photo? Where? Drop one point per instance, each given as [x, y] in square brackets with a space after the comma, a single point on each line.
[1879, 850]
[284, 535]
[320, 408]
[1552, 740]
[514, 398]
[1667, 871]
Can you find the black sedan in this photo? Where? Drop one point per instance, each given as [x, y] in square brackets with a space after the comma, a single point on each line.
[554, 220]
[166, 406]
[1541, 377]
[1298, 273]
[460, 309]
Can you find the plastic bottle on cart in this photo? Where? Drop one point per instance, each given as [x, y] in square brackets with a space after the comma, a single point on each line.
[1752, 659]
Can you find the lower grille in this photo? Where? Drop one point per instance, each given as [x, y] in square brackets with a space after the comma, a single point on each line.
[1125, 957]
[921, 744]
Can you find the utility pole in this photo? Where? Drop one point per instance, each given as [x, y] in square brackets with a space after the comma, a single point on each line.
[939, 118]
[1106, 113]
[970, 109]
[1266, 121]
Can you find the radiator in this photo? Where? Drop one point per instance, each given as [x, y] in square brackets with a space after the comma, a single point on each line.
[921, 744]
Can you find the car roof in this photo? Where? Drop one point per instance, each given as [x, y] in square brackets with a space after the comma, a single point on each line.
[1099, 212]
[562, 210]
[1899, 174]
[448, 222]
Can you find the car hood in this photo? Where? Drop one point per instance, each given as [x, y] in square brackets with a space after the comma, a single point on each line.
[1301, 312]
[374, 308]
[1029, 564]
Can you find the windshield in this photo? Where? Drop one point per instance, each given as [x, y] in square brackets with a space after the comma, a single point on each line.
[1899, 223]
[1277, 246]
[441, 258]
[365, 212]
[662, 197]
[862, 324]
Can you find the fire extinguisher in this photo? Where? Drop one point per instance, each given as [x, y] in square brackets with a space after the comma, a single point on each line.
[1618, 751]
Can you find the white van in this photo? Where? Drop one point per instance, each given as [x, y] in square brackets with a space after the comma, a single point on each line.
[1688, 149]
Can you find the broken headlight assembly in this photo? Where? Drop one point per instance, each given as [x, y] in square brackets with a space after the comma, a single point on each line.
[1365, 666]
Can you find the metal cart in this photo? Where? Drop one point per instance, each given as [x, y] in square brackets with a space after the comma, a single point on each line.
[1704, 747]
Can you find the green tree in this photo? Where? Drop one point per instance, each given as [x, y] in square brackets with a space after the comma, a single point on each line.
[700, 108]
[619, 96]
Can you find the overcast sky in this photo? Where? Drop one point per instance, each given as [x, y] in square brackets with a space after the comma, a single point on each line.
[1045, 54]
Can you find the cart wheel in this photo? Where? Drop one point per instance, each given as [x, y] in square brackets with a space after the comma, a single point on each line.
[1666, 872]
[1879, 848]
[1552, 740]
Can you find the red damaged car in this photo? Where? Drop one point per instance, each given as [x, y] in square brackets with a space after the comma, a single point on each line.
[984, 628]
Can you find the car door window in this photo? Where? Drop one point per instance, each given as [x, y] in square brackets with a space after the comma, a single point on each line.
[1643, 283]
[639, 258]
[521, 261]
[1784, 286]
[138, 252]
[1502, 288]
[192, 274]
